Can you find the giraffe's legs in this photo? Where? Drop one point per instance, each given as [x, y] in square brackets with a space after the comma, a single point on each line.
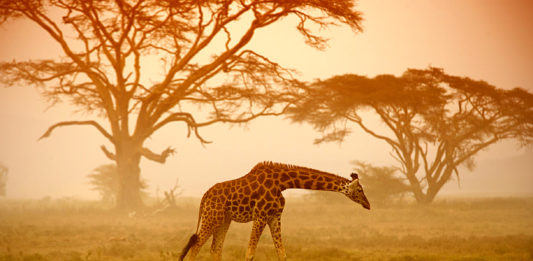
[257, 229]
[202, 237]
[211, 221]
[275, 229]
[218, 239]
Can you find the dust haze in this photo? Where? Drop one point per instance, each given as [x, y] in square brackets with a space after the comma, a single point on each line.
[483, 210]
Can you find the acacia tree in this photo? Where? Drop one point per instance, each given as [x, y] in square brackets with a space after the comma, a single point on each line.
[206, 73]
[432, 121]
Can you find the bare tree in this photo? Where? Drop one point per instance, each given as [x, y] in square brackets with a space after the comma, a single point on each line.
[3, 180]
[432, 121]
[206, 73]
[169, 205]
[171, 194]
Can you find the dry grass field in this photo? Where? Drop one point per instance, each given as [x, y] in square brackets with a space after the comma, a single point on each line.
[314, 228]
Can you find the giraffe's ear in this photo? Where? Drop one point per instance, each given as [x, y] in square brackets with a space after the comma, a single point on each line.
[354, 176]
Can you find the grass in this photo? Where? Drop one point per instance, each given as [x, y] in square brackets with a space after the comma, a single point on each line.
[313, 229]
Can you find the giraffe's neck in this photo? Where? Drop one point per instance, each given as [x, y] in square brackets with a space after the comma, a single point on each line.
[305, 178]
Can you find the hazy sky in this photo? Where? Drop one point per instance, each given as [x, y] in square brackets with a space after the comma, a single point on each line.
[483, 39]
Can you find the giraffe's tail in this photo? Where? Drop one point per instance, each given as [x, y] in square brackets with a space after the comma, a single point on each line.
[192, 241]
[194, 237]
[202, 202]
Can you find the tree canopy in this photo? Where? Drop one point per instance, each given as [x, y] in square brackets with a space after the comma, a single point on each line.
[432, 121]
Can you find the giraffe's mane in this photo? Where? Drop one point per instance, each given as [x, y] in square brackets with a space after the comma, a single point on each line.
[291, 166]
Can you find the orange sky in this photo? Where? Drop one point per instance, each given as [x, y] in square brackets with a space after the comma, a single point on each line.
[483, 39]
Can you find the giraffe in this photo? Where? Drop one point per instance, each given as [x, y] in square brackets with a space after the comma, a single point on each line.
[257, 197]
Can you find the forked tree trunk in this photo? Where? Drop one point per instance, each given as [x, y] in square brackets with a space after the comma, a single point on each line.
[427, 197]
[424, 198]
[416, 188]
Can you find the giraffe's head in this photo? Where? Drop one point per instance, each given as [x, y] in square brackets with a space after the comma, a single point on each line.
[354, 191]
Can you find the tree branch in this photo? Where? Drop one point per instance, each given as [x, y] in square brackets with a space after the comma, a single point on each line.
[369, 131]
[70, 123]
[108, 153]
[161, 158]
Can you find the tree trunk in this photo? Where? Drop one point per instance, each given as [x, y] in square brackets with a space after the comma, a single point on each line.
[129, 189]
[416, 188]
[435, 187]
[427, 199]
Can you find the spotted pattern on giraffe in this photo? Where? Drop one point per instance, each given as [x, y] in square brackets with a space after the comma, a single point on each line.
[257, 196]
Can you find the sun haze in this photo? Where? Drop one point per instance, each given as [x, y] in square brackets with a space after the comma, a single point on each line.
[489, 40]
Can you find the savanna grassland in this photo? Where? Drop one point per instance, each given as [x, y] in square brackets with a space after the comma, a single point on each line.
[323, 227]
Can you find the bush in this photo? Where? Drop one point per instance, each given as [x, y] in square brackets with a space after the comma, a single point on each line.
[381, 184]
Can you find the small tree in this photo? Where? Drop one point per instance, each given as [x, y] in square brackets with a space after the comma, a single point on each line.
[168, 204]
[432, 121]
[3, 180]
[171, 194]
[205, 73]
[105, 179]
[381, 184]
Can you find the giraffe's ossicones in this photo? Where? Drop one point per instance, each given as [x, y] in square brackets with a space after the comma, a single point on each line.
[257, 197]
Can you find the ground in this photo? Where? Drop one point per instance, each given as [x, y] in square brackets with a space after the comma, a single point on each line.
[314, 228]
